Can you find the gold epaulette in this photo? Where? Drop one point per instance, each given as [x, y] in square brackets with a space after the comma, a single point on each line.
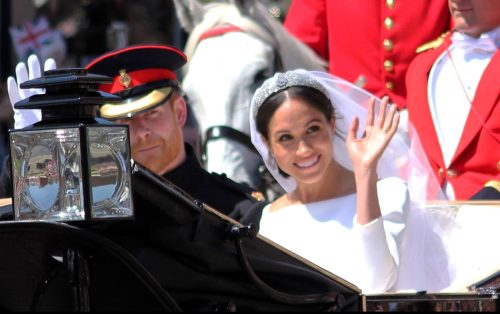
[258, 196]
[433, 43]
[494, 184]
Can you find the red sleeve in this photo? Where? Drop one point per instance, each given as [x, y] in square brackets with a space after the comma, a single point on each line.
[306, 20]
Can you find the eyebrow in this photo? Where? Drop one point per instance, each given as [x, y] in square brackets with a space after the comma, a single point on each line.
[306, 125]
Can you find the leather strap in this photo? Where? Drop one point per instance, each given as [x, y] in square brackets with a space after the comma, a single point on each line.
[221, 131]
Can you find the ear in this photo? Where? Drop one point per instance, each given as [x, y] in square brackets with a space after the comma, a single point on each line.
[189, 13]
[332, 124]
[180, 110]
[266, 142]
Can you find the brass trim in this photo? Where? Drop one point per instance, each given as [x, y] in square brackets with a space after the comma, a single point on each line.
[132, 106]
[448, 203]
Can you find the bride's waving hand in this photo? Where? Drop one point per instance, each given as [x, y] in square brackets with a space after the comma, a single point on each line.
[367, 150]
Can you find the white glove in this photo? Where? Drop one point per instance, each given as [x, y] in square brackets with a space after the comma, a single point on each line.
[26, 117]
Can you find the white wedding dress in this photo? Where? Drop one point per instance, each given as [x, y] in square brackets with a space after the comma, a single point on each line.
[326, 234]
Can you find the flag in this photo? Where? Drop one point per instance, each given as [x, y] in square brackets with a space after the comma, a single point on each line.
[37, 37]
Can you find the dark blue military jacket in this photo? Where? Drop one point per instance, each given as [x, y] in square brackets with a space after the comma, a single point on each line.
[216, 190]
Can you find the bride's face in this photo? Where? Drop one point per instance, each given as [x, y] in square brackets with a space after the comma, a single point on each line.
[300, 138]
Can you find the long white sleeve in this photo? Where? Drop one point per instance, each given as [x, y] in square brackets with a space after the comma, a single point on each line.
[380, 240]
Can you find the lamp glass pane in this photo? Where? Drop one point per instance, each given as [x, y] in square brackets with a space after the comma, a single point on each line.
[46, 173]
[110, 173]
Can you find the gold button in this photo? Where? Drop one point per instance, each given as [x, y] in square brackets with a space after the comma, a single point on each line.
[388, 44]
[388, 23]
[498, 165]
[390, 3]
[388, 65]
[389, 85]
[441, 172]
[450, 173]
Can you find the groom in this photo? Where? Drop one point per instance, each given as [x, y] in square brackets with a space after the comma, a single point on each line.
[155, 110]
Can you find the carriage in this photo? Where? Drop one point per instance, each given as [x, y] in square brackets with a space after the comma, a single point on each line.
[174, 253]
[179, 254]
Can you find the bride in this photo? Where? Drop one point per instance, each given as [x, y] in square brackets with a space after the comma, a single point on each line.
[347, 199]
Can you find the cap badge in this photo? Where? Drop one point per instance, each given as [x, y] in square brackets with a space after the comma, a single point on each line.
[125, 79]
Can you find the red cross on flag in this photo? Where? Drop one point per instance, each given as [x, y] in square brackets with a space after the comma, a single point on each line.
[37, 38]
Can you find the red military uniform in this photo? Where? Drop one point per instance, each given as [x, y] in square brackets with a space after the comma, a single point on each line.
[372, 39]
[477, 157]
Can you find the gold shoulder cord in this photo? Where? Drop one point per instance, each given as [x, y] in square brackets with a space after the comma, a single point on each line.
[494, 184]
[433, 43]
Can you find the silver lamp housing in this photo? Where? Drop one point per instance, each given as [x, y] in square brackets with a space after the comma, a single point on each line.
[70, 166]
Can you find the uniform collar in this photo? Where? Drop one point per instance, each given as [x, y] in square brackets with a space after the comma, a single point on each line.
[187, 171]
[487, 42]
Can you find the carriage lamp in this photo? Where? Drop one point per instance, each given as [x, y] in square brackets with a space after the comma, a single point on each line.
[70, 166]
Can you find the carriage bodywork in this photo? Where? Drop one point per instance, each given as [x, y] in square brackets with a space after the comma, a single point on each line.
[178, 254]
